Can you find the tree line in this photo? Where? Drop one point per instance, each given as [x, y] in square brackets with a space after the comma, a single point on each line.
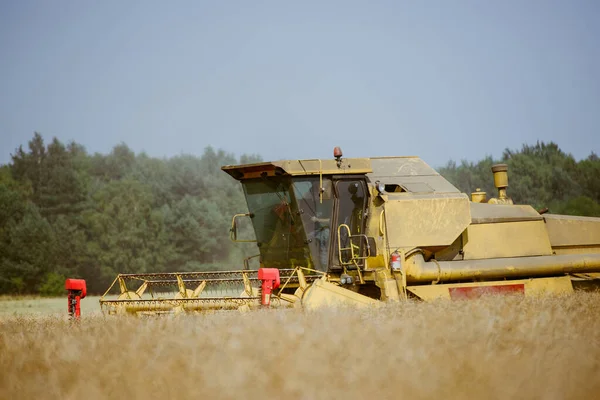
[67, 213]
[541, 175]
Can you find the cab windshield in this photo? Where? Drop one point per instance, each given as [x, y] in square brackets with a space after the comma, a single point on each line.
[316, 206]
[290, 222]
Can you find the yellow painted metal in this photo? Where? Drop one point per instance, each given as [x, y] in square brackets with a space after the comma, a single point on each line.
[354, 249]
[479, 196]
[247, 286]
[129, 296]
[430, 292]
[198, 291]
[175, 305]
[185, 294]
[390, 291]
[301, 286]
[140, 291]
[346, 228]
[532, 287]
[426, 220]
[576, 250]
[381, 222]
[301, 279]
[501, 199]
[408, 175]
[482, 213]
[326, 294]
[292, 299]
[171, 294]
[570, 231]
[420, 271]
[300, 167]
[542, 286]
[500, 172]
[122, 285]
[511, 239]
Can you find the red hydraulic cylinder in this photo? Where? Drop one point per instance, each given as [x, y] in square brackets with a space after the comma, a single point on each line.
[76, 291]
[270, 280]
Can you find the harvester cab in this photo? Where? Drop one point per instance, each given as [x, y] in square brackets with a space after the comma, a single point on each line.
[309, 213]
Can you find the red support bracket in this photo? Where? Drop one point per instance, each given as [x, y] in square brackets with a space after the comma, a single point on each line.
[76, 291]
[270, 280]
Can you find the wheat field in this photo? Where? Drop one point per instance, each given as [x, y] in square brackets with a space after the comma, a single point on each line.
[495, 347]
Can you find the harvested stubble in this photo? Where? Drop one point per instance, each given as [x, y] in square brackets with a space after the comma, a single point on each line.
[490, 348]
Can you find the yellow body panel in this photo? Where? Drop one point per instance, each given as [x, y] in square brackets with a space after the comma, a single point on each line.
[509, 239]
[565, 231]
[532, 287]
[428, 220]
[322, 293]
[577, 250]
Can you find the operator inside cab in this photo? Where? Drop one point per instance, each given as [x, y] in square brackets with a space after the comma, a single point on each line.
[316, 204]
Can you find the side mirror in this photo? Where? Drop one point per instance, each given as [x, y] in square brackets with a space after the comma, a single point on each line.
[233, 234]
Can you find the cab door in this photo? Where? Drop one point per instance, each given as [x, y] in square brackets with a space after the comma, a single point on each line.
[349, 244]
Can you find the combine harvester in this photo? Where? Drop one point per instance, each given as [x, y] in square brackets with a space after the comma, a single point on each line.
[357, 231]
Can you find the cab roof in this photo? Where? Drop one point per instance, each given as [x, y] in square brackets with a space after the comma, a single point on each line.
[299, 168]
[399, 174]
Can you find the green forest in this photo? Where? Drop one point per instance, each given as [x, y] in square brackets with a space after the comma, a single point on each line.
[67, 213]
[541, 175]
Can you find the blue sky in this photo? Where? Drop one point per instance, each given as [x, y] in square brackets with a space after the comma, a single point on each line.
[440, 79]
